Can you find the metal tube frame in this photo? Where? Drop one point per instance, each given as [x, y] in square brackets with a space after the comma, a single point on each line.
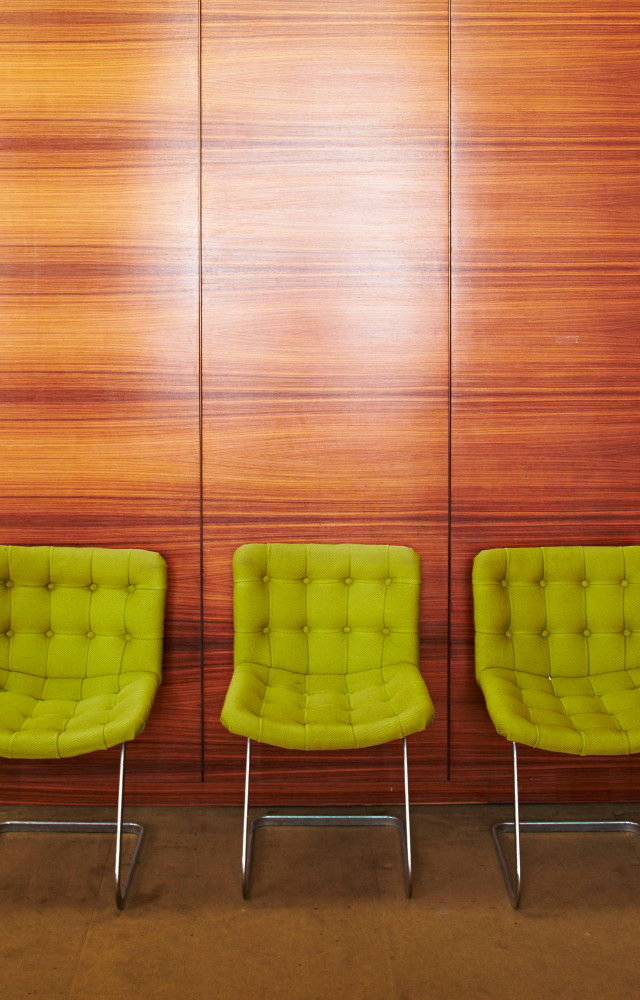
[403, 828]
[45, 826]
[551, 826]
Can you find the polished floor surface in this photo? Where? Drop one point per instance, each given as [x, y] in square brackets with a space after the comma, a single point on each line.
[327, 916]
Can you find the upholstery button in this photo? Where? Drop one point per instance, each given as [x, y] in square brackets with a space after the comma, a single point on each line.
[127, 637]
[585, 583]
[624, 583]
[9, 584]
[93, 586]
[346, 629]
[90, 635]
[306, 629]
[503, 583]
[543, 583]
[385, 631]
[348, 580]
[10, 633]
[306, 580]
[131, 588]
[388, 582]
[626, 632]
[265, 579]
[587, 632]
[544, 633]
[49, 634]
[266, 630]
[508, 633]
[50, 586]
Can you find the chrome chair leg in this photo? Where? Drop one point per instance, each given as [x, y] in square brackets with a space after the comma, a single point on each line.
[135, 828]
[57, 826]
[403, 828]
[500, 828]
[406, 839]
[545, 826]
[246, 855]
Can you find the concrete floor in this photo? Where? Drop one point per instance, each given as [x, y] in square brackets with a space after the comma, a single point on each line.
[327, 917]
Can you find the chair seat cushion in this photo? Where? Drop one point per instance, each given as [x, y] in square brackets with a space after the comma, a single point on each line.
[331, 711]
[75, 717]
[596, 714]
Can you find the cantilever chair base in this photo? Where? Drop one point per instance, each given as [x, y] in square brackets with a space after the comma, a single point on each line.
[45, 826]
[517, 827]
[558, 826]
[403, 828]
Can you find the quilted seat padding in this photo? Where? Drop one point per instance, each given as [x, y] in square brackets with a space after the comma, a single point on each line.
[81, 633]
[326, 651]
[558, 646]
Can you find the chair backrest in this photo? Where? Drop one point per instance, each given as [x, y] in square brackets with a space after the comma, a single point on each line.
[558, 611]
[326, 608]
[68, 613]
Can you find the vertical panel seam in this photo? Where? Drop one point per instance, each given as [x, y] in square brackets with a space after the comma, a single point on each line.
[449, 390]
[200, 398]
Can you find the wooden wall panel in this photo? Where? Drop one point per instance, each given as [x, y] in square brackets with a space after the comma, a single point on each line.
[325, 308]
[545, 299]
[99, 409]
[325, 348]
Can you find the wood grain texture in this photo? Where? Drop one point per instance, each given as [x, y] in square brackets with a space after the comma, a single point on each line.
[99, 325]
[546, 357]
[325, 330]
[324, 319]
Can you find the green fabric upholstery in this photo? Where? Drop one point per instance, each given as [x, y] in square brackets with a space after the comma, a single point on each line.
[326, 646]
[558, 646]
[81, 634]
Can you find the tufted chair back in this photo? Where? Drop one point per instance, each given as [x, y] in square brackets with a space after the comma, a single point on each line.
[558, 645]
[80, 647]
[326, 645]
[318, 608]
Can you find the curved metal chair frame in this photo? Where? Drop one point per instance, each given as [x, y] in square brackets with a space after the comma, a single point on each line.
[270, 819]
[45, 826]
[514, 885]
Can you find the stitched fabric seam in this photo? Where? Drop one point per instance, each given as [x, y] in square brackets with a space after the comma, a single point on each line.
[351, 725]
[624, 603]
[126, 631]
[306, 621]
[10, 664]
[384, 623]
[384, 611]
[584, 598]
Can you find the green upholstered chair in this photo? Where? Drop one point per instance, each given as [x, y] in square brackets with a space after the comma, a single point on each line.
[326, 657]
[558, 660]
[81, 633]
